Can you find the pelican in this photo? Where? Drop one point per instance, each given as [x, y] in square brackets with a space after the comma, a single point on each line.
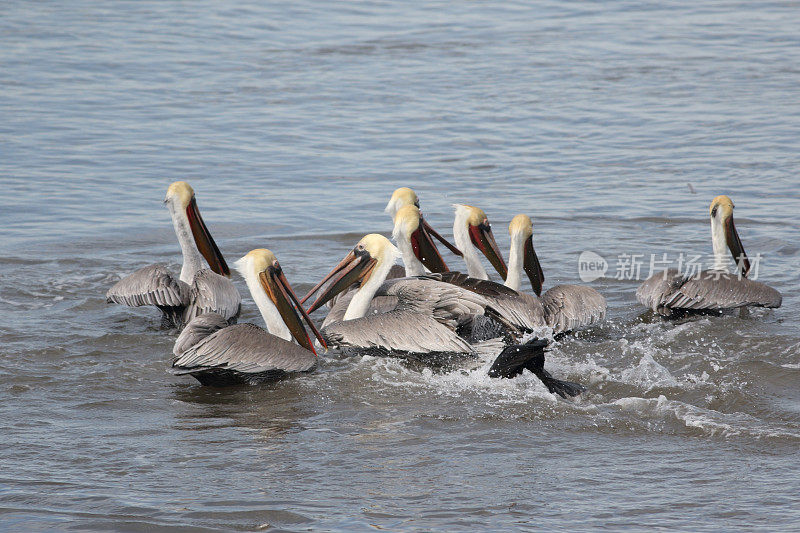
[520, 314]
[472, 232]
[672, 293]
[217, 354]
[564, 307]
[431, 260]
[423, 325]
[404, 196]
[197, 290]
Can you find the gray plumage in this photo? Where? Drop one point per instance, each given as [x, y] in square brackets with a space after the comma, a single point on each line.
[151, 285]
[422, 322]
[568, 307]
[196, 330]
[380, 304]
[517, 312]
[669, 292]
[242, 353]
[563, 308]
[178, 301]
[212, 293]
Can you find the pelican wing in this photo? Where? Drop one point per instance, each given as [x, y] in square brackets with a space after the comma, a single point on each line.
[448, 304]
[396, 332]
[567, 307]
[244, 349]
[212, 293]
[659, 288]
[151, 285]
[520, 311]
[713, 290]
[380, 304]
[423, 320]
[196, 330]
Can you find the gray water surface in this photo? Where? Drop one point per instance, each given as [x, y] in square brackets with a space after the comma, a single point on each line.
[294, 123]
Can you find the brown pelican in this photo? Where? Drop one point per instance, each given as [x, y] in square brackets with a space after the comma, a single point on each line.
[520, 313]
[217, 354]
[672, 293]
[197, 290]
[430, 259]
[423, 324]
[564, 307]
[472, 232]
[404, 196]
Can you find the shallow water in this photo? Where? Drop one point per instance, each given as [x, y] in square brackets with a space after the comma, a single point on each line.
[294, 124]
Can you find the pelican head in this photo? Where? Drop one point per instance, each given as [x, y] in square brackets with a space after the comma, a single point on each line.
[263, 265]
[723, 232]
[181, 193]
[401, 197]
[373, 251]
[181, 201]
[521, 231]
[409, 226]
[480, 233]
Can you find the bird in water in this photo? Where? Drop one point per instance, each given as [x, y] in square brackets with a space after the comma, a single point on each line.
[217, 354]
[424, 322]
[197, 289]
[564, 307]
[674, 294]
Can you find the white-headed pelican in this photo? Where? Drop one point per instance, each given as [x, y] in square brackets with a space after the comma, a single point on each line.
[672, 293]
[424, 323]
[565, 307]
[197, 290]
[217, 354]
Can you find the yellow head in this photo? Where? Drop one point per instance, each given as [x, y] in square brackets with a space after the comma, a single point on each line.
[400, 198]
[721, 206]
[521, 225]
[261, 259]
[375, 244]
[406, 221]
[180, 192]
[474, 215]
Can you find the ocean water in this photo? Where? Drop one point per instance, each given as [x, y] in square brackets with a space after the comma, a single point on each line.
[612, 124]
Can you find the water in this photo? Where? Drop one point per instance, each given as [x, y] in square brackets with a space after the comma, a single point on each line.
[294, 123]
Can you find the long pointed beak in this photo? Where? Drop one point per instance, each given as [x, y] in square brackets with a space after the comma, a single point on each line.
[532, 267]
[736, 247]
[280, 292]
[204, 242]
[441, 239]
[483, 238]
[426, 251]
[356, 266]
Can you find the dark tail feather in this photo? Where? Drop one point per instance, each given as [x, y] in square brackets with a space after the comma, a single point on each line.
[518, 357]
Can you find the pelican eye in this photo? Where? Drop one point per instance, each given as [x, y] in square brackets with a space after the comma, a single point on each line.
[416, 203]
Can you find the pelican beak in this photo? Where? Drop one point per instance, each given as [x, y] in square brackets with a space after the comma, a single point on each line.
[425, 249]
[356, 267]
[280, 292]
[735, 246]
[441, 239]
[532, 267]
[204, 242]
[482, 237]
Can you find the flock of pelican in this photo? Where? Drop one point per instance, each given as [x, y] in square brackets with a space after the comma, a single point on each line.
[421, 311]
